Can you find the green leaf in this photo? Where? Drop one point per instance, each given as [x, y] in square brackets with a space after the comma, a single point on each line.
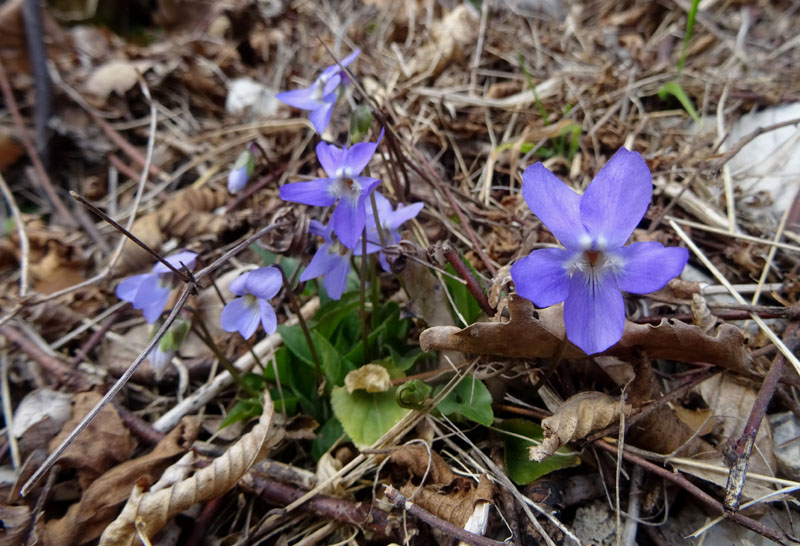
[252, 382]
[288, 401]
[366, 416]
[519, 435]
[463, 299]
[674, 88]
[328, 434]
[242, 411]
[333, 365]
[404, 362]
[689, 27]
[470, 399]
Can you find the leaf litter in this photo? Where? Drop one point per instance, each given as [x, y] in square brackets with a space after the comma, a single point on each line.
[430, 384]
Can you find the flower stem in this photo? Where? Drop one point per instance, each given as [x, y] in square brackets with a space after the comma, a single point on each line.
[363, 298]
[206, 337]
[306, 332]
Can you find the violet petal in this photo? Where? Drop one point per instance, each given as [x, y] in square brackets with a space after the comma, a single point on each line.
[649, 266]
[543, 277]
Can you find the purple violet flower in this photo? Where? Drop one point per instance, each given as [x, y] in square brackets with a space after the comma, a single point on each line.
[331, 261]
[256, 288]
[343, 166]
[150, 291]
[590, 273]
[241, 172]
[320, 96]
[390, 220]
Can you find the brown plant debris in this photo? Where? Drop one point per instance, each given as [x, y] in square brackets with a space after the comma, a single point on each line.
[537, 333]
[578, 416]
[148, 512]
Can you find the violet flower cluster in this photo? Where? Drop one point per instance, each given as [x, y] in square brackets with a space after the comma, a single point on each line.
[343, 187]
[593, 269]
[320, 97]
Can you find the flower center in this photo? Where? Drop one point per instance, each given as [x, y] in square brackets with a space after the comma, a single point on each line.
[319, 88]
[251, 300]
[346, 187]
[593, 257]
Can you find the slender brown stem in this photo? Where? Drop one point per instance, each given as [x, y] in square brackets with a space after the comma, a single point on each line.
[472, 283]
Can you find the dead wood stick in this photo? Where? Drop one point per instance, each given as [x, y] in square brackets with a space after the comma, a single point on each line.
[679, 479]
[360, 514]
[400, 501]
[61, 371]
[739, 453]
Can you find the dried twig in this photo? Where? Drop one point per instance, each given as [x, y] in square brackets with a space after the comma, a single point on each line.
[33, 155]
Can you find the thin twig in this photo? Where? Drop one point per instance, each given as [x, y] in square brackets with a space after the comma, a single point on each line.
[739, 454]
[24, 242]
[775, 535]
[30, 148]
[133, 238]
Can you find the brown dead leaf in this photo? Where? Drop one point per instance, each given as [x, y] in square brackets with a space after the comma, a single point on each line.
[455, 505]
[104, 443]
[185, 215]
[731, 400]
[578, 416]
[415, 458]
[100, 502]
[116, 76]
[15, 521]
[150, 511]
[537, 333]
[449, 36]
[59, 268]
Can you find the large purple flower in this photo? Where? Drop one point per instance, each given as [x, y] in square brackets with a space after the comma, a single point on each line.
[390, 220]
[255, 290]
[589, 274]
[320, 96]
[331, 261]
[150, 291]
[343, 166]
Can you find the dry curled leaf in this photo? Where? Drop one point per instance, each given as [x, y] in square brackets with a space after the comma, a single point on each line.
[416, 459]
[537, 333]
[577, 417]
[100, 502]
[149, 511]
[701, 314]
[185, 215]
[455, 504]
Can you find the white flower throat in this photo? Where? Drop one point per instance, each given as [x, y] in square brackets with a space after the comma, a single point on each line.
[346, 187]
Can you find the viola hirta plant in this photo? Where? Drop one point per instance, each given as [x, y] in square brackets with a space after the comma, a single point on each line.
[343, 187]
[593, 269]
[331, 261]
[255, 290]
[150, 291]
[320, 97]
